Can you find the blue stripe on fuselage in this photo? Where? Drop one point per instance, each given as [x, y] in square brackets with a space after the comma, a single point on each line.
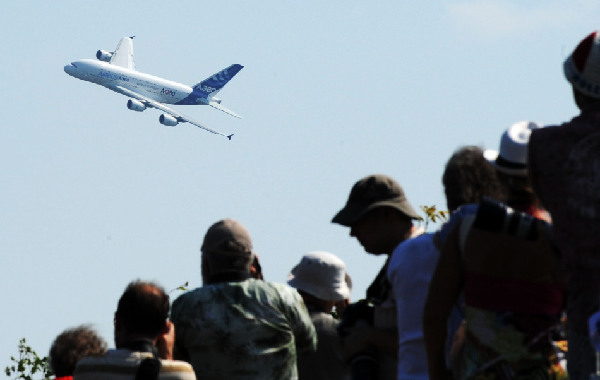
[194, 98]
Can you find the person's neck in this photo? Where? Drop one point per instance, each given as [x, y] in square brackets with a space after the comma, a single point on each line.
[127, 340]
[233, 276]
[400, 238]
[586, 103]
[139, 345]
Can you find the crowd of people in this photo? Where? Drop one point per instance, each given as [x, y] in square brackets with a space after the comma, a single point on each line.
[492, 294]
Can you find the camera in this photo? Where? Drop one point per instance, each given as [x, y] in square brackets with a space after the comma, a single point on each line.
[365, 364]
[495, 216]
[361, 311]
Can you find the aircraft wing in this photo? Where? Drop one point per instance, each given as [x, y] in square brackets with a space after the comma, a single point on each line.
[154, 104]
[123, 55]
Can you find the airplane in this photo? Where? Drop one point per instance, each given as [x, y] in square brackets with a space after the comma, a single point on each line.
[116, 71]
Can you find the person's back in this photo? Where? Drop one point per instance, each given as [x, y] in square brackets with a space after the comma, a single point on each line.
[242, 330]
[327, 362]
[234, 326]
[565, 172]
[144, 340]
[567, 180]
[507, 266]
[514, 293]
[124, 364]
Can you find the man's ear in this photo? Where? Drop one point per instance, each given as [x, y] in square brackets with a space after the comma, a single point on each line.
[163, 331]
[204, 269]
[166, 328]
[117, 322]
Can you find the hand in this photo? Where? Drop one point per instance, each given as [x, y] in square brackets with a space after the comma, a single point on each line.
[165, 341]
[458, 342]
[341, 305]
[256, 269]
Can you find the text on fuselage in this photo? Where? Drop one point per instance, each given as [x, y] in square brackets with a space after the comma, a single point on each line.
[166, 91]
[113, 76]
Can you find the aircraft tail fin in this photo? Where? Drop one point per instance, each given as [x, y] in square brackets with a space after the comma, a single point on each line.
[123, 55]
[210, 86]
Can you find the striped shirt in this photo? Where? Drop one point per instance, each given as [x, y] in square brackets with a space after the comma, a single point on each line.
[122, 364]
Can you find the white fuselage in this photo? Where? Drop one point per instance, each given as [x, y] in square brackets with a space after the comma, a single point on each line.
[111, 76]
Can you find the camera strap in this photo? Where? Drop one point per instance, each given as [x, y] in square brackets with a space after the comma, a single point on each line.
[380, 287]
[149, 368]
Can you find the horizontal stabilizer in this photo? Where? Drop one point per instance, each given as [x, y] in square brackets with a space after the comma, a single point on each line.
[224, 109]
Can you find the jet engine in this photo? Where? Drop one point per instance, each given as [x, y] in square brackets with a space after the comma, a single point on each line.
[167, 120]
[104, 56]
[135, 105]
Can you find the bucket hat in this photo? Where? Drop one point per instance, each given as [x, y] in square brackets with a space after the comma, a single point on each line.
[370, 192]
[323, 275]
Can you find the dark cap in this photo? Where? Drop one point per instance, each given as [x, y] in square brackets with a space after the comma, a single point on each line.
[228, 247]
[371, 192]
[227, 235]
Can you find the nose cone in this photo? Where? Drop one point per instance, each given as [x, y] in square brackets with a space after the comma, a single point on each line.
[71, 69]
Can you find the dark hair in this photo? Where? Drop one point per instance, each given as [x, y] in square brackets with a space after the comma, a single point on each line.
[468, 177]
[143, 308]
[519, 189]
[72, 345]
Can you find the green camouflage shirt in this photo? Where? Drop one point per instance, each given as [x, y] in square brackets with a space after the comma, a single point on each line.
[242, 330]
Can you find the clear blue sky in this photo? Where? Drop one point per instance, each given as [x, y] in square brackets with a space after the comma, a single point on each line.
[94, 195]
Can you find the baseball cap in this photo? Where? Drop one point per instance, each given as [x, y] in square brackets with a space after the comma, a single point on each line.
[227, 235]
[370, 192]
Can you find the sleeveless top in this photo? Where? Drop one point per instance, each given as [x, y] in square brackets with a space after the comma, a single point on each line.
[514, 295]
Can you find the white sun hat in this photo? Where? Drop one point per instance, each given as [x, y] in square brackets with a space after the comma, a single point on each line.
[512, 157]
[323, 275]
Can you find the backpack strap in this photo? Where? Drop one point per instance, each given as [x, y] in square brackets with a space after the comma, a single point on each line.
[464, 229]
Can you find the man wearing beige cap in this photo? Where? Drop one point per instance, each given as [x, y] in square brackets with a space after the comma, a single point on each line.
[380, 218]
[235, 326]
[321, 280]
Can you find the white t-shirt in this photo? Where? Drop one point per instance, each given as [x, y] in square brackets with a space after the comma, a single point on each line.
[410, 271]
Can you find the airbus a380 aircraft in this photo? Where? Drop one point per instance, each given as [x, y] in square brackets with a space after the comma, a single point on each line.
[116, 71]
